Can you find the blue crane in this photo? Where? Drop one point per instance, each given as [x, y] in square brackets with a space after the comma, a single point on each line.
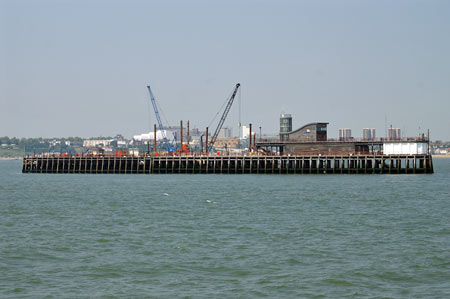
[170, 147]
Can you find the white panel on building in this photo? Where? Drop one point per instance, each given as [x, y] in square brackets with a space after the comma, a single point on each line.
[404, 148]
[246, 132]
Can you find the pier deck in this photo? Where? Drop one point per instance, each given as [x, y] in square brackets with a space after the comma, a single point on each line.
[311, 164]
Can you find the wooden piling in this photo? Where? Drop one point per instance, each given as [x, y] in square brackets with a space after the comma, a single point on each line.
[396, 164]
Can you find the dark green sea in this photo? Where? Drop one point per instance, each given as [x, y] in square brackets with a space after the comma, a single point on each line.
[232, 236]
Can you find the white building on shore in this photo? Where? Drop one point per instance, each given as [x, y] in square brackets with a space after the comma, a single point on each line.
[150, 136]
[97, 142]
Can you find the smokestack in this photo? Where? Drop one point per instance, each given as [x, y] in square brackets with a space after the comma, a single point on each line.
[187, 135]
[181, 133]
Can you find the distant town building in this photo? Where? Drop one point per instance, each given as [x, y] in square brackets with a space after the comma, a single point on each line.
[119, 137]
[97, 151]
[226, 143]
[369, 134]
[54, 142]
[225, 133]
[394, 134]
[145, 137]
[195, 132]
[345, 134]
[122, 143]
[246, 132]
[97, 142]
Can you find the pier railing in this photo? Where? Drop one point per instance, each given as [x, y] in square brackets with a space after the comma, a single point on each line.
[349, 140]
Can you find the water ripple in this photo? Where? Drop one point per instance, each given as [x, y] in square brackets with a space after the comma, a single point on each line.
[166, 236]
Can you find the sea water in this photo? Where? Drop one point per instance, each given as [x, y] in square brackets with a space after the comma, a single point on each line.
[208, 236]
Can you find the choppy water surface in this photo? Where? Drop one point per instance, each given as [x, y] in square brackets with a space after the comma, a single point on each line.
[245, 236]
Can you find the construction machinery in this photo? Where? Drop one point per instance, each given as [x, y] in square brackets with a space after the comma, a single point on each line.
[171, 147]
[224, 116]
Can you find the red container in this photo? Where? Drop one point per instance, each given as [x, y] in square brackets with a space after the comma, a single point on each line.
[120, 153]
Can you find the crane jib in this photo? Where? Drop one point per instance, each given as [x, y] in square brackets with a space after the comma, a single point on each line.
[224, 116]
[169, 148]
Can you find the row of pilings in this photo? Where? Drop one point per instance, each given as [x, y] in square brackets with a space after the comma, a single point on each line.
[314, 164]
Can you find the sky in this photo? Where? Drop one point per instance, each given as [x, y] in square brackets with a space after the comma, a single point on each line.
[80, 68]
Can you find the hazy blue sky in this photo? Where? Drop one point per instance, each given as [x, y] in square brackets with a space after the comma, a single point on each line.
[79, 68]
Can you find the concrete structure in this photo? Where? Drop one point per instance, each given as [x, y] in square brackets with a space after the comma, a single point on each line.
[394, 134]
[225, 133]
[345, 134]
[285, 126]
[369, 134]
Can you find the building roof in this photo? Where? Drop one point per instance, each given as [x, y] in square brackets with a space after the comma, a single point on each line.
[307, 125]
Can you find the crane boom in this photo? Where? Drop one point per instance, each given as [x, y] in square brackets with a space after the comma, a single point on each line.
[158, 119]
[224, 116]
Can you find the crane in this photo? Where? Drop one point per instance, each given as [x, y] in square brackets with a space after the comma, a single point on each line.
[170, 147]
[224, 116]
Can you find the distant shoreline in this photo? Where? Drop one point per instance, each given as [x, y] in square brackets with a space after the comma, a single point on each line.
[441, 156]
[9, 159]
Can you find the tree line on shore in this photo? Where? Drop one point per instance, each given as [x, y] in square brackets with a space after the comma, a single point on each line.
[16, 147]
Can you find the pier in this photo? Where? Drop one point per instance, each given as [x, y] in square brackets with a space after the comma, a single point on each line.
[243, 164]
